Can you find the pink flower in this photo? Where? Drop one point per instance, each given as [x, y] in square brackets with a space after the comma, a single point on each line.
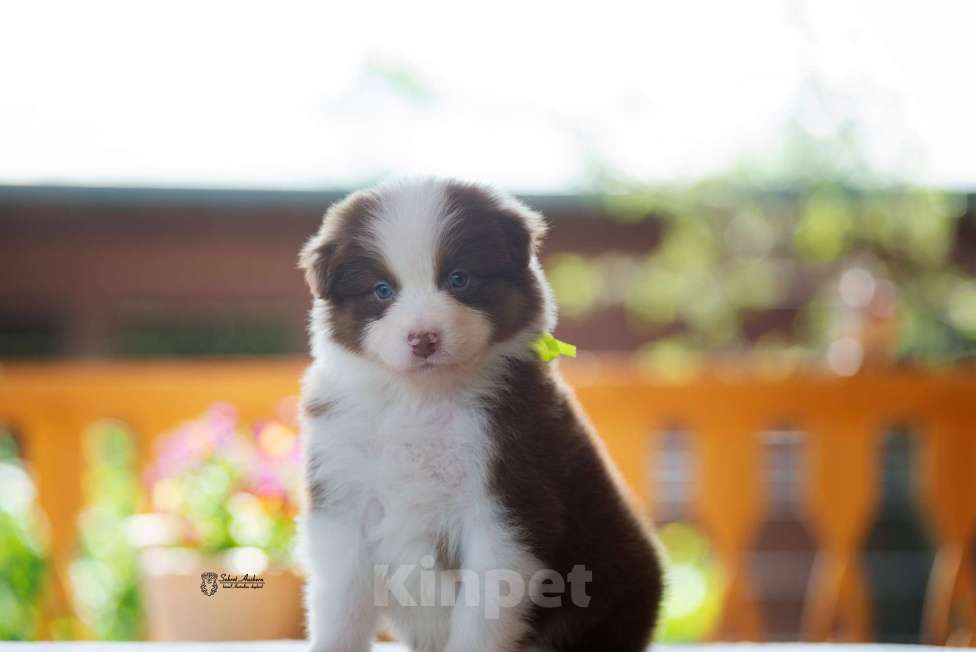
[265, 482]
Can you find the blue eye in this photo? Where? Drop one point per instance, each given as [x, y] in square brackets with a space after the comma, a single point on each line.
[383, 291]
[458, 280]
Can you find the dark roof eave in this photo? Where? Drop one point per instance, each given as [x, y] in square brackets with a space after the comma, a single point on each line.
[230, 197]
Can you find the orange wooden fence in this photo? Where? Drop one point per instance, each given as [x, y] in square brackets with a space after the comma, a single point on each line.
[50, 405]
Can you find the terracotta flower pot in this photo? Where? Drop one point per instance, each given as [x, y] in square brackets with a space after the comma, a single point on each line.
[191, 597]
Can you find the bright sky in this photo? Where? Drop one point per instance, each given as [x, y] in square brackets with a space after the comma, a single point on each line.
[531, 95]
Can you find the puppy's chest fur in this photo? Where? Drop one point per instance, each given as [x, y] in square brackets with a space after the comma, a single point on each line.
[407, 469]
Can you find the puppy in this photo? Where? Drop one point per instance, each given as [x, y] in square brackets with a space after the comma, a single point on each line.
[455, 491]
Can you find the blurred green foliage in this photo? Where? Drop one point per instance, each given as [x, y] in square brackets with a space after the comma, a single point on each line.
[739, 269]
[246, 335]
[23, 560]
[693, 587]
[104, 576]
[802, 253]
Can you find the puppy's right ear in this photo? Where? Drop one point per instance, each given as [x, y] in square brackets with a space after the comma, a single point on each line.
[316, 258]
[319, 257]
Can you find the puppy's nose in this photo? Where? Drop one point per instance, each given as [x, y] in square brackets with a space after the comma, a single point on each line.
[424, 343]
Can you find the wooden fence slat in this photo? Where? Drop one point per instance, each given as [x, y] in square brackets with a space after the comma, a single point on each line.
[841, 494]
[52, 442]
[947, 479]
[728, 499]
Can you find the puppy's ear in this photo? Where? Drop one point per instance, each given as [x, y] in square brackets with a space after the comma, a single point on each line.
[497, 221]
[320, 256]
[524, 230]
[316, 258]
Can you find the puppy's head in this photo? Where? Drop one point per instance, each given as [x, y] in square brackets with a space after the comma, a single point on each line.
[428, 276]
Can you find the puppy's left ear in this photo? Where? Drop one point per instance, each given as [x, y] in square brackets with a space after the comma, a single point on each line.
[524, 231]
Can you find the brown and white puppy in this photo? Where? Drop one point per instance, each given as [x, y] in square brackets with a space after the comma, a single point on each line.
[455, 489]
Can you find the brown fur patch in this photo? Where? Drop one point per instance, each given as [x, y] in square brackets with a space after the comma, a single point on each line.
[446, 554]
[317, 493]
[492, 241]
[343, 271]
[316, 407]
[558, 488]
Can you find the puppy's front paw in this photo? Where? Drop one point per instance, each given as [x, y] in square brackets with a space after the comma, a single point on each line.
[315, 646]
[328, 646]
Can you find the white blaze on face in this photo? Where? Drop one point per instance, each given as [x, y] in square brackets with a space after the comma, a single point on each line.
[406, 234]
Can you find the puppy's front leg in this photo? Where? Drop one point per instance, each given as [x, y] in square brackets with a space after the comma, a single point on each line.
[492, 601]
[473, 630]
[339, 599]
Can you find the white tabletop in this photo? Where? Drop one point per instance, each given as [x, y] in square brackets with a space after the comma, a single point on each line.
[299, 646]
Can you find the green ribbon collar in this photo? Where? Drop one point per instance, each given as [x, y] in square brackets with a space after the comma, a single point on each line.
[549, 348]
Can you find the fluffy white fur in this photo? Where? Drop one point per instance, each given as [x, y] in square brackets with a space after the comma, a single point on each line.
[403, 452]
